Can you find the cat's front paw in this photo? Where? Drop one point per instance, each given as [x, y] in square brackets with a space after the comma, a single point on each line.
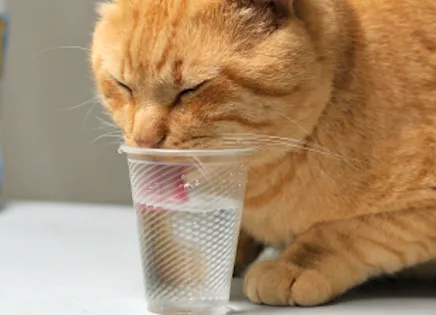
[280, 283]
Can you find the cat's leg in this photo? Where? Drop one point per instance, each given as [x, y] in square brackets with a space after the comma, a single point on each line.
[331, 258]
[248, 250]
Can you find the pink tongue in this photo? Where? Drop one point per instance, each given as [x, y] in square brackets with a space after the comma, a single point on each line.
[170, 183]
[180, 193]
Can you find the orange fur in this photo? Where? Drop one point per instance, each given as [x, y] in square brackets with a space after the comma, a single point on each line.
[354, 79]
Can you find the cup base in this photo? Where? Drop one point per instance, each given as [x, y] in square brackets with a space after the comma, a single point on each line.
[174, 310]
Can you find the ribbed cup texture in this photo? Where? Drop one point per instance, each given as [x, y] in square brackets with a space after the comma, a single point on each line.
[188, 221]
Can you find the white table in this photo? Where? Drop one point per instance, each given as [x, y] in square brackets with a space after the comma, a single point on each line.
[66, 259]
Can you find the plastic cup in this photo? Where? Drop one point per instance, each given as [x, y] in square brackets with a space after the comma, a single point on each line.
[189, 205]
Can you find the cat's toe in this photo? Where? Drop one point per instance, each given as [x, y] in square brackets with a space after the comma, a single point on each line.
[311, 288]
[270, 282]
[280, 283]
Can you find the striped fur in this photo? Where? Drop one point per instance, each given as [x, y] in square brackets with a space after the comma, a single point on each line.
[355, 78]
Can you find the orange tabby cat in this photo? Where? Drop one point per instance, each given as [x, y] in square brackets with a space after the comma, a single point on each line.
[342, 94]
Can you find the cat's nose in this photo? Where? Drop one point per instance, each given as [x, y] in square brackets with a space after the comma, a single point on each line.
[150, 143]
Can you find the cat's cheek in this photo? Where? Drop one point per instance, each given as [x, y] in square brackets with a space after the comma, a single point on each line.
[111, 93]
[103, 101]
[129, 141]
[123, 120]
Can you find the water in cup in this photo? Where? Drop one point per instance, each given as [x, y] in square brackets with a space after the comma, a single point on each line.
[187, 257]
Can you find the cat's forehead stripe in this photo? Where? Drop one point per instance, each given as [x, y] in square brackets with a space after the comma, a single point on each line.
[179, 71]
[128, 60]
[178, 15]
[163, 23]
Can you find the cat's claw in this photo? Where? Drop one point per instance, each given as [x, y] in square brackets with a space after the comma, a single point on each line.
[281, 283]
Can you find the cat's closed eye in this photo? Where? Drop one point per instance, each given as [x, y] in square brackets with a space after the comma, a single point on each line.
[187, 92]
[124, 86]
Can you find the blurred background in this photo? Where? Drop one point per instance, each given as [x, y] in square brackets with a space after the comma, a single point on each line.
[48, 140]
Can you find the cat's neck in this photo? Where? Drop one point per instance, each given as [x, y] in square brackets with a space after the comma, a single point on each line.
[332, 26]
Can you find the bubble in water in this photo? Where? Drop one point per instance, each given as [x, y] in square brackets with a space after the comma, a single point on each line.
[197, 183]
[187, 186]
[153, 187]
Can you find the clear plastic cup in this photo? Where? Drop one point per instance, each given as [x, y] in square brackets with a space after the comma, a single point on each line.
[189, 205]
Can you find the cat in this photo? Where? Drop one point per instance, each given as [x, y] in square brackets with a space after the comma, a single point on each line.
[340, 98]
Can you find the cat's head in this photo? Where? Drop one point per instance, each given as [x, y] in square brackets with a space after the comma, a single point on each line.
[186, 73]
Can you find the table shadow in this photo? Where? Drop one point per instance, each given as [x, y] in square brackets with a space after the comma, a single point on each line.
[383, 288]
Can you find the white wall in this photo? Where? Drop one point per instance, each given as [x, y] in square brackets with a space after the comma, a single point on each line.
[47, 155]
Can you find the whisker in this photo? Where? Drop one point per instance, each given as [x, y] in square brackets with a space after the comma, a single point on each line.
[113, 132]
[80, 48]
[292, 145]
[293, 121]
[118, 143]
[248, 136]
[107, 114]
[88, 113]
[293, 142]
[266, 140]
[109, 130]
[105, 122]
[94, 99]
[200, 166]
[104, 136]
[104, 127]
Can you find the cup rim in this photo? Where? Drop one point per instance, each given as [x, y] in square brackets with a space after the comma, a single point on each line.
[124, 148]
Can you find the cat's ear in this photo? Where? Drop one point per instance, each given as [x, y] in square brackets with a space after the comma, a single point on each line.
[283, 8]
